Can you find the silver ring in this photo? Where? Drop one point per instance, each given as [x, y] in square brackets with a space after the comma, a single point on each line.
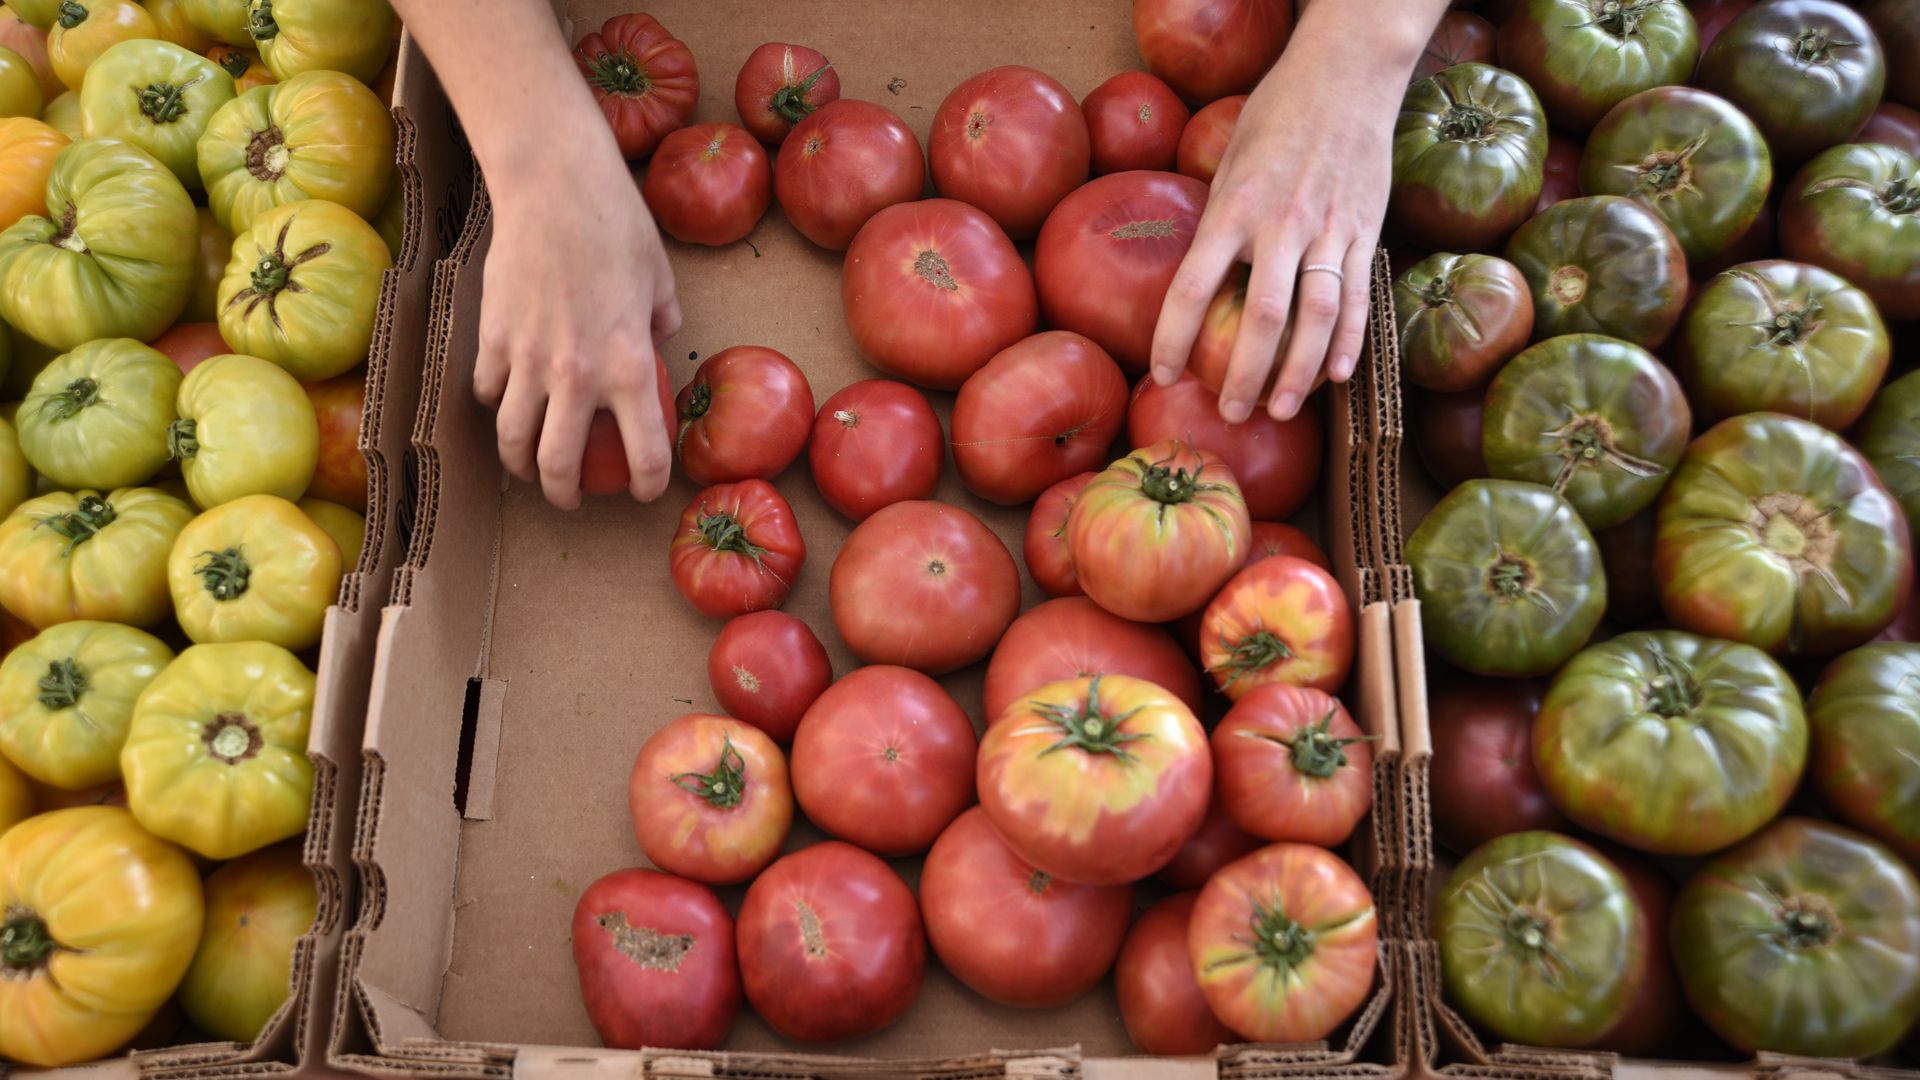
[1324, 268]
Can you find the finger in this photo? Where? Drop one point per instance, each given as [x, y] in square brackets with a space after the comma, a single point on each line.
[523, 406]
[1215, 247]
[1317, 307]
[1262, 320]
[563, 444]
[644, 436]
[490, 370]
[666, 317]
[1350, 333]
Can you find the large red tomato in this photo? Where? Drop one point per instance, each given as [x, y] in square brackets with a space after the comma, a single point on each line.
[643, 77]
[745, 415]
[708, 184]
[603, 465]
[1041, 411]
[1217, 842]
[1133, 122]
[1271, 538]
[933, 289]
[923, 585]
[1012, 933]
[738, 549]
[338, 403]
[1045, 544]
[1205, 138]
[656, 960]
[875, 443]
[1011, 141]
[1482, 775]
[766, 668]
[831, 944]
[1073, 638]
[1290, 764]
[1160, 1001]
[1156, 535]
[884, 759]
[781, 85]
[842, 165]
[186, 344]
[1098, 780]
[1107, 254]
[710, 799]
[1207, 49]
[1281, 620]
[1276, 462]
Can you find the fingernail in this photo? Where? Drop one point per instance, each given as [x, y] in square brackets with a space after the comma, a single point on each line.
[1165, 376]
[1286, 405]
[1342, 368]
[1235, 411]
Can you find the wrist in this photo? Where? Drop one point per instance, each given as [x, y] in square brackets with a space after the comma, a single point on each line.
[1377, 43]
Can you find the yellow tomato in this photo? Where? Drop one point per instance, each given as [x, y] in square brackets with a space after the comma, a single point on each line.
[157, 96]
[171, 17]
[223, 20]
[296, 36]
[257, 907]
[254, 569]
[303, 288]
[243, 64]
[35, 13]
[62, 114]
[27, 150]
[30, 41]
[246, 427]
[67, 696]
[81, 555]
[216, 759]
[321, 135]
[216, 247]
[19, 86]
[16, 476]
[101, 921]
[98, 417]
[347, 527]
[16, 796]
[87, 28]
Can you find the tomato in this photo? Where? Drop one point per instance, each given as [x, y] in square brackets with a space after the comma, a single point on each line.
[1508, 577]
[98, 417]
[1011, 141]
[831, 944]
[1712, 16]
[875, 443]
[122, 282]
[87, 556]
[643, 77]
[1865, 723]
[1482, 777]
[1460, 318]
[246, 428]
[1804, 940]
[101, 922]
[767, 668]
[1204, 139]
[709, 184]
[781, 85]
[1561, 172]
[1897, 26]
[62, 114]
[1892, 124]
[1690, 157]
[1042, 410]
[243, 65]
[30, 42]
[1283, 943]
[348, 528]
[657, 962]
[175, 94]
[1072, 638]
[1809, 73]
[175, 27]
[1160, 1001]
[17, 480]
[1276, 462]
[1856, 211]
[1013, 934]
[27, 150]
[19, 86]
[1134, 121]
[1045, 549]
[710, 799]
[341, 473]
[257, 907]
[351, 36]
[85, 30]
[1290, 764]
[1275, 538]
[738, 549]
[1585, 56]
[849, 161]
[1776, 533]
[603, 464]
[214, 248]
[67, 696]
[1280, 620]
[1207, 49]
[1446, 432]
[222, 20]
[1602, 265]
[17, 802]
[303, 288]
[1217, 842]
[1107, 254]
[923, 585]
[321, 135]
[254, 568]
[1468, 156]
[1890, 439]
[1461, 38]
[933, 289]
[1159, 532]
[745, 415]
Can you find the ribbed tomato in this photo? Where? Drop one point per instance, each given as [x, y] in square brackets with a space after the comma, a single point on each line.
[738, 549]
[1279, 620]
[642, 76]
[1074, 638]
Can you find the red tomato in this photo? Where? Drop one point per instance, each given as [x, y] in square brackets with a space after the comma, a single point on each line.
[1213, 348]
[781, 85]
[1906, 625]
[30, 42]
[186, 344]
[1482, 775]
[708, 184]
[1562, 175]
[341, 476]
[1160, 1002]
[1207, 49]
[933, 289]
[1216, 843]
[1041, 411]
[1712, 16]
[1099, 781]
[710, 799]
[831, 945]
[1012, 933]
[603, 466]
[884, 760]
[1271, 538]
[923, 585]
[1107, 254]
[1276, 462]
[875, 443]
[1133, 122]
[1892, 124]
[1446, 431]
[1292, 765]
[1206, 135]
[1045, 545]
[1156, 535]
[1280, 620]
[766, 668]
[1073, 638]
[1011, 141]
[1461, 38]
[745, 415]
[1660, 1008]
[849, 161]
[1283, 943]
[738, 549]
[643, 77]
[656, 960]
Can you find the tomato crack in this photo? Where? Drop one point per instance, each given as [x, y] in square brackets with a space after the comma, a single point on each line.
[651, 949]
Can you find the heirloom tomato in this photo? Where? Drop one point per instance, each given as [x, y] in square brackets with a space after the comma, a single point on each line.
[1461, 38]
[1626, 550]
[67, 696]
[710, 799]
[849, 161]
[1602, 265]
[1585, 56]
[709, 184]
[84, 29]
[1809, 73]
[1561, 171]
[348, 528]
[321, 135]
[1482, 779]
[213, 248]
[20, 96]
[30, 42]
[1690, 157]
[1134, 121]
[1217, 842]
[1892, 125]
[294, 37]
[1043, 409]
[17, 803]
[17, 480]
[157, 96]
[27, 150]
[243, 65]
[84, 555]
[1275, 538]
[1461, 317]
[222, 20]
[1011, 141]
[923, 585]
[1856, 211]
[1207, 49]
[1290, 764]
[175, 27]
[258, 906]
[875, 443]
[643, 77]
[744, 416]
[62, 114]
[1280, 620]
[1160, 1000]
[303, 287]
[767, 668]
[341, 473]
[1276, 462]
[1073, 638]
[781, 85]
[738, 549]
[1890, 439]
[603, 463]
[1468, 154]
[1896, 24]
[1045, 549]
[246, 428]
[254, 569]
[1446, 432]
[1203, 141]
[657, 962]
[99, 416]
[1865, 719]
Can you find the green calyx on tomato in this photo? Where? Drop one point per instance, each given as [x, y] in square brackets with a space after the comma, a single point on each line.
[224, 573]
[1665, 174]
[1901, 195]
[619, 73]
[273, 273]
[1587, 442]
[1316, 752]
[1280, 942]
[1621, 18]
[1672, 692]
[232, 739]
[1085, 726]
[72, 14]
[723, 532]
[790, 102]
[1174, 486]
[93, 514]
[234, 62]
[725, 786]
[1813, 45]
[1254, 653]
[261, 25]
[697, 403]
[1805, 922]
[182, 439]
[1466, 122]
[25, 941]
[63, 685]
[163, 103]
[68, 403]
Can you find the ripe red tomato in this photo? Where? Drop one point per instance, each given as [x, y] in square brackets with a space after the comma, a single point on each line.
[1561, 175]
[933, 289]
[738, 549]
[1011, 141]
[1099, 781]
[766, 668]
[831, 944]
[186, 344]
[1271, 538]
[1045, 545]
[1041, 411]
[1160, 1001]
[1276, 462]
[708, 184]
[656, 960]
[884, 760]
[603, 465]
[1482, 776]
[1892, 124]
[643, 77]
[1213, 348]
[1207, 49]
[1290, 764]
[1660, 1008]
[1133, 122]
[1217, 842]
[1461, 38]
[1072, 638]
[781, 85]
[1280, 620]
[875, 443]
[923, 585]
[744, 415]
[1107, 254]
[1156, 535]
[1206, 135]
[341, 475]
[849, 161]
[1012, 933]
[710, 799]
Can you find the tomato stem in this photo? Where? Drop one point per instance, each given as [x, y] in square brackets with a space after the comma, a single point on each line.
[722, 533]
[24, 940]
[725, 786]
[1901, 197]
[790, 102]
[1805, 927]
[234, 63]
[63, 685]
[698, 402]
[72, 14]
[1169, 486]
[163, 103]
[619, 73]
[1279, 941]
[1812, 46]
[1621, 18]
[270, 273]
[224, 573]
[1087, 728]
[1671, 692]
[260, 23]
[1510, 577]
[89, 517]
[181, 440]
[1256, 652]
[68, 403]
[1437, 292]
[267, 153]
[1466, 122]
[1317, 753]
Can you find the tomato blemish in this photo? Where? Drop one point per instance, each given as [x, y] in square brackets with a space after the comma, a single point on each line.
[644, 945]
[1155, 229]
[811, 937]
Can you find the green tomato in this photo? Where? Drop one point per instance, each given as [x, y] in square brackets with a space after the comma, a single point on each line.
[298, 36]
[16, 476]
[67, 696]
[1865, 717]
[98, 416]
[1890, 437]
[157, 96]
[1856, 211]
[1583, 57]
[1469, 157]
[223, 20]
[19, 86]
[40, 13]
[1602, 265]
[303, 288]
[62, 114]
[321, 135]
[246, 427]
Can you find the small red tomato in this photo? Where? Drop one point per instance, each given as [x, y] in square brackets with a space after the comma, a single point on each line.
[1041, 411]
[1014, 934]
[745, 415]
[884, 760]
[1271, 538]
[1277, 462]
[1217, 842]
[1892, 124]
[831, 944]
[1157, 534]
[338, 404]
[708, 184]
[186, 344]
[1482, 775]
[923, 585]
[1160, 1002]
[781, 85]
[1207, 49]
[656, 960]
[875, 443]
[1045, 544]
[1011, 141]
[1281, 620]
[842, 165]
[643, 77]
[738, 549]
[1562, 171]
[1204, 140]
[1461, 38]
[1074, 638]
[603, 465]
[710, 799]
[1133, 122]
[1290, 764]
[766, 668]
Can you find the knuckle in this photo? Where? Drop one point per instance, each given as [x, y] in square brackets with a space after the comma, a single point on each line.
[1266, 312]
[569, 368]
[1193, 287]
[1320, 306]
